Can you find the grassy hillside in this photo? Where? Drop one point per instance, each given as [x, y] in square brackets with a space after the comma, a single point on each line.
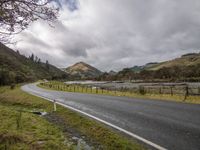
[185, 68]
[145, 67]
[82, 70]
[186, 60]
[18, 68]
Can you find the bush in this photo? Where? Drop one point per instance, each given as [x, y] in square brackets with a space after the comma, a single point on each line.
[142, 90]
[12, 86]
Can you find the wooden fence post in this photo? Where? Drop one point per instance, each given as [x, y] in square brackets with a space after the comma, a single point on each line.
[160, 90]
[186, 92]
[198, 90]
[171, 90]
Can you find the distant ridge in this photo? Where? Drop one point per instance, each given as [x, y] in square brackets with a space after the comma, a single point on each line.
[144, 67]
[186, 60]
[82, 70]
[184, 68]
[190, 59]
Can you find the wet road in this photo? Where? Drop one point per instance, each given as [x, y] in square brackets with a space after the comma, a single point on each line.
[174, 126]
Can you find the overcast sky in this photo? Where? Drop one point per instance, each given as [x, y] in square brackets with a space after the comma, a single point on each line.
[113, 34]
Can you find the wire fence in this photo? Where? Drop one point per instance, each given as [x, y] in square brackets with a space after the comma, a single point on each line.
[170, 89]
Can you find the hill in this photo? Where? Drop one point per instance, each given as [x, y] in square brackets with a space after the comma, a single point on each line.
[16, 68]
[184, 68]
[144, 67]
[82, 70]
[190, 59]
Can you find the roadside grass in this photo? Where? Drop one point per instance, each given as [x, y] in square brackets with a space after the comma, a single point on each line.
[60, 86]
[21, 129]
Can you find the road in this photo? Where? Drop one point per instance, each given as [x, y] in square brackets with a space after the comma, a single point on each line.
[171, 125]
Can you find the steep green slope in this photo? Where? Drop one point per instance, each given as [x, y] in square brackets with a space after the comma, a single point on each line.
[18, 68]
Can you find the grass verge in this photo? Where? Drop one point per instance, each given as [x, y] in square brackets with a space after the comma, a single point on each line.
[60, 86]
[20, 129]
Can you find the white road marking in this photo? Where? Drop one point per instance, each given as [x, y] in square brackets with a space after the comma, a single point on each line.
[109, 124]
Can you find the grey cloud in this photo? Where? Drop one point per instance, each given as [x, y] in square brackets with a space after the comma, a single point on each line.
[115, 34]
[32, 39]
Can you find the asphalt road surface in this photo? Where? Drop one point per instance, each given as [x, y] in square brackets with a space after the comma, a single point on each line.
[171, 125]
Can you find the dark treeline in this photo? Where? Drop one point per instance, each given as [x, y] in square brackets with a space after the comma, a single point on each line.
[171, 74]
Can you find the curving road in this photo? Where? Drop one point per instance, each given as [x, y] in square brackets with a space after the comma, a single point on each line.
[171, 125]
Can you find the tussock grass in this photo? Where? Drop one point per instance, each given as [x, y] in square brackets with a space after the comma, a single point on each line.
[30, 134]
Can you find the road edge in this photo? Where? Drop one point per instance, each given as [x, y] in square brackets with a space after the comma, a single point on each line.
[154, 145]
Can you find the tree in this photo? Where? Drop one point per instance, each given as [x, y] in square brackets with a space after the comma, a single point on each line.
[39, 61]
[16, 15]
[18, 52]
[32, 57]
[47, 64]
[36, 59]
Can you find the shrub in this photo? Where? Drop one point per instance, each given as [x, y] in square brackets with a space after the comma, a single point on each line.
[12, 86]
[142, 90]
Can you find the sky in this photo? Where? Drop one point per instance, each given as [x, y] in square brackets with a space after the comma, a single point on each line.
[115, 34]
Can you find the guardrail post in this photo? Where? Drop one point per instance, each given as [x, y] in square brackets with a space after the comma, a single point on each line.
[54, 105]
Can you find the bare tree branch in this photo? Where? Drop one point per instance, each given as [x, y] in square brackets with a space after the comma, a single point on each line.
[16, 15]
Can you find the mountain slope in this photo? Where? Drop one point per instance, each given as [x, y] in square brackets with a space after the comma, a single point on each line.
[184, 68]
[190, 59]
[18, 68]
[82, 70]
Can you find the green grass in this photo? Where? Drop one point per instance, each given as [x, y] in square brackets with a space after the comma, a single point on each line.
[56, 85]
[20, 129]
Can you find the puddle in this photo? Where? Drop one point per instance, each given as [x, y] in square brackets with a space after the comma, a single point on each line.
[81, 144]
[73, 138]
